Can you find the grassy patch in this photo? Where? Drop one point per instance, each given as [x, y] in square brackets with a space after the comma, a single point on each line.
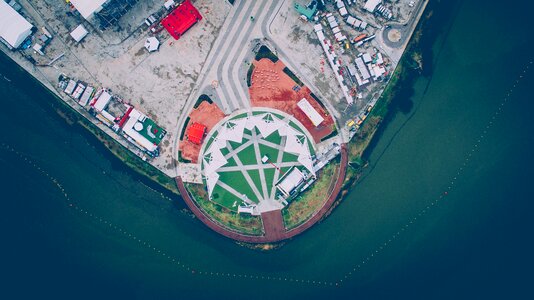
[249, 75]
[274, 138]
[269, 178]
[181, 159]
[237, 181]
[183, 129]
[270, 152]
[331, 134]
[265, 52]
[225, 198]
[289, 157]
[243, 223]
[247, 156]
[201, 99]
[255, 176]
[304, 205]
[293, 76]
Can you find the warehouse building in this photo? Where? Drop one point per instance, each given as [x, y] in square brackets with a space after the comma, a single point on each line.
[14, 28]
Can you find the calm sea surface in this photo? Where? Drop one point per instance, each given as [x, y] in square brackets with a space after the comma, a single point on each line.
[444, 211]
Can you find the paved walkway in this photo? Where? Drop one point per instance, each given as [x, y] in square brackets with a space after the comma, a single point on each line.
[273, 224]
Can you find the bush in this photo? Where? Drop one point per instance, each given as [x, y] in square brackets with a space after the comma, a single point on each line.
[293, 76]
[265, 52]
[249, 75]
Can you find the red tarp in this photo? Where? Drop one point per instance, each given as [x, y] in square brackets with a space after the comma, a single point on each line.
[195, 133]
[125, 117]
[181, 19]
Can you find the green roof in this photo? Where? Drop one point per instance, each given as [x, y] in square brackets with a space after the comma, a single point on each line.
[308, 12]
[152, 132]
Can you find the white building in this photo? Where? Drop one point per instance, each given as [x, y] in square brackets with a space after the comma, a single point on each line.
[371, 5]
[14, 28]
[310, 112]
[102, 101]
[132, 128]
[79, 33]
[290, 181]
[87, 8]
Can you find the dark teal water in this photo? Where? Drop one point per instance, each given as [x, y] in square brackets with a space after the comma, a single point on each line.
[113, 236]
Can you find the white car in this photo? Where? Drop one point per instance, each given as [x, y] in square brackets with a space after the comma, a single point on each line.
[411, 4]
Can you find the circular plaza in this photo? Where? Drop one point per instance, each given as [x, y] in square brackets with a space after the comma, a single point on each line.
[254, 162]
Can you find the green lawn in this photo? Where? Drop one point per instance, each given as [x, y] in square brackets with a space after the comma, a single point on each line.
[274, 138]
[248, 156]
[225, 198]
[225, 151]
[269, 178]
[152, 132]
[237, 181]
[270, 152]
[283, 170]
[289, 157]
[255, 175]
[231, 162]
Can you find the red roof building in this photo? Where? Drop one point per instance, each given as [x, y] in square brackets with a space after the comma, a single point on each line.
[181, 19]
[195, 133]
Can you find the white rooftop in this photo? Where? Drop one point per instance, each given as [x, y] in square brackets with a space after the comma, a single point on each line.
[371, 5]
[14, 28]
[290, 181]
[102, 101]
[310, 112]
[87, 8]
[79, 33]
[152, 44]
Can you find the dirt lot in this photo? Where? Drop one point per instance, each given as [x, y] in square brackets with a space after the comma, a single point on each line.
[271, 87]
[158, 83]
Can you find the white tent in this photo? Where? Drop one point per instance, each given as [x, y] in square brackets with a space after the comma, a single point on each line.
[14, 29]
[267, 124]
[371, 5]
[233, 130]
[152, 44]
[213, 160]
[169, 4]
[211, 181]
[310, 112]
[297, 143]
[102, 101]
[87, 8]
[79, 33]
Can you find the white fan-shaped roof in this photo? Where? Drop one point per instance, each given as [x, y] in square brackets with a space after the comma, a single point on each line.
[233, 130]
[211, 181]
[213, 161]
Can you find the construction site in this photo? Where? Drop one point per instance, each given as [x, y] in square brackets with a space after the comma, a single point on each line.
[247, 104]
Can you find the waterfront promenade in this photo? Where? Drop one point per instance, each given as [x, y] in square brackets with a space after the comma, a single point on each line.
[274, 229]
